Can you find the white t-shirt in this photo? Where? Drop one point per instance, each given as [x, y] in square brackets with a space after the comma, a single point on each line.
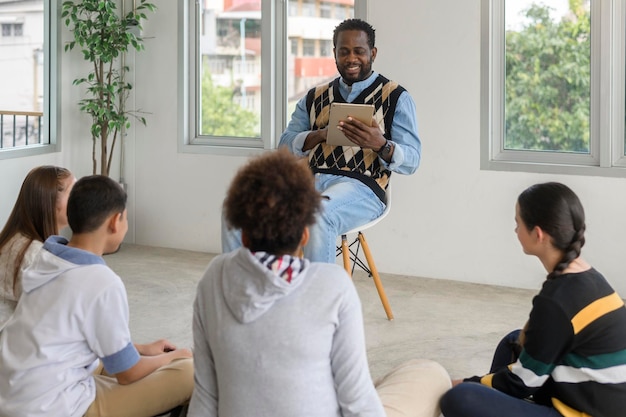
[72, 312]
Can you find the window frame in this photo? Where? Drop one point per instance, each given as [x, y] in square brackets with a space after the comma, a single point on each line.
[276, 49]
[606, 152]
[51, 79]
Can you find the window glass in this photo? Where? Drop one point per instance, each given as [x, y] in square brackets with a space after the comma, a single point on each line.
[547, 99]
[22, 74]
[294, 46]
[308, 47]
[343, 12]
[230, 69]
[308, 8]
[309, 69]
[326, 47]
[293, 7]
[238, 97]
[326, 10]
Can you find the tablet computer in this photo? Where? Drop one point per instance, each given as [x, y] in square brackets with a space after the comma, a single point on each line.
[341, 111]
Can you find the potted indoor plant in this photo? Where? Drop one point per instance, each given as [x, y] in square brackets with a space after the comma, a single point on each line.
[104, 35]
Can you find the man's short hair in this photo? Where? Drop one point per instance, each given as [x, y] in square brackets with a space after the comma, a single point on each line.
[356, 24]
[92, 200]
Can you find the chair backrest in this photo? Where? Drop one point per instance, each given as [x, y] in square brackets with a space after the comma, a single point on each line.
[376, 220]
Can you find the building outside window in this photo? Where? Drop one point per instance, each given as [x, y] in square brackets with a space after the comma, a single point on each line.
[25, 117]
[294, 46]
[293, 8]
[18, 29]
[230, 104]
[343, 11]
[309, 8]
[326, 47]
[308, 47]
[326, 10]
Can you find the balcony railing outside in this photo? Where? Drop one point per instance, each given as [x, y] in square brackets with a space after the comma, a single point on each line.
[21, 128]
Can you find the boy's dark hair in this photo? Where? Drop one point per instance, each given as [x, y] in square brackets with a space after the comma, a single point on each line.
[356, 24]
[556, 209]
[92, 200]
[272, 199]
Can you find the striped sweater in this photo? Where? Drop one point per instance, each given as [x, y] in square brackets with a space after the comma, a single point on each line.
[574, 355]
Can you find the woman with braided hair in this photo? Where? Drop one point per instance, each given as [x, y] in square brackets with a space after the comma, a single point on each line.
[572, 350]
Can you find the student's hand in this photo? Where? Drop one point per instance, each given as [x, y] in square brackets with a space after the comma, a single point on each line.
[149, 363]
[155, 348]
[369, 137]
[181, 353]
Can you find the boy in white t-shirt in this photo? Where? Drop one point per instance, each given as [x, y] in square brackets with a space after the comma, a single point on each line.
[72, 321]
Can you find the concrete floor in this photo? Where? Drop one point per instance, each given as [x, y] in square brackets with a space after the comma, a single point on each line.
[456, 324]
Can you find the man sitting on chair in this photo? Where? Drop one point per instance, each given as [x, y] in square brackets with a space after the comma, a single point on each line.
[354, 179]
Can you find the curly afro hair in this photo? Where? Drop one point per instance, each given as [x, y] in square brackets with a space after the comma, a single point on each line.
[272, 199]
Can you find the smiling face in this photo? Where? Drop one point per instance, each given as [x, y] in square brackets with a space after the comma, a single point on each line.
[353, 56]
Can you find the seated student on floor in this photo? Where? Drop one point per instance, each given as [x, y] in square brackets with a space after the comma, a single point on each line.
[277, 335]
[73, 315]
[38, 212]
[572, 358]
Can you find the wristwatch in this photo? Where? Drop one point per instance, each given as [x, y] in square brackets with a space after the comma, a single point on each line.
[386, 149]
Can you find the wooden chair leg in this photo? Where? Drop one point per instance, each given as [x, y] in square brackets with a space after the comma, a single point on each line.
[375, 276]
[345, 253]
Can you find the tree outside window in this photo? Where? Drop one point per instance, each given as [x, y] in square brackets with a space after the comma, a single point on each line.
[548, 81]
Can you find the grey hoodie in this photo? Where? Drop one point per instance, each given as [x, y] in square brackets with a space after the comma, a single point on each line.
[267, 347]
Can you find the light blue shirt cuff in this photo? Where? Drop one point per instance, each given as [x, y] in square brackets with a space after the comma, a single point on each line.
[122, 360]
[298, 144]
[397, 159]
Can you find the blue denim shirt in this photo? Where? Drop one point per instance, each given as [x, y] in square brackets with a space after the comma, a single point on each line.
[407, 152]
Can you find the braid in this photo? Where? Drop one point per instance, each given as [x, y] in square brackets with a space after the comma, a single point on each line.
[571, 252]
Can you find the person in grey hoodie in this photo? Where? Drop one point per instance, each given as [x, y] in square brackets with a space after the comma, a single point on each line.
[277, 335]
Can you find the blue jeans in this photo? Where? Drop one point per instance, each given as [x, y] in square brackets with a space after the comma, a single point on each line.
[347, 204]
[471, 399]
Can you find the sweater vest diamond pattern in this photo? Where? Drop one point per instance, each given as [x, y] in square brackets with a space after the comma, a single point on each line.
[359, 163]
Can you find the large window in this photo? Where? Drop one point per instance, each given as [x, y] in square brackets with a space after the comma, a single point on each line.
[553, 86]
[249, 63]
[26, 119]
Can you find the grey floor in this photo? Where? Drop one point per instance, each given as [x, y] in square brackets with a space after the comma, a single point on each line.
[456, 324]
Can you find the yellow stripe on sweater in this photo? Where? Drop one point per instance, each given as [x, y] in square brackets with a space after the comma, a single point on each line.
[595, 310]
[566, 410]
[487, 380]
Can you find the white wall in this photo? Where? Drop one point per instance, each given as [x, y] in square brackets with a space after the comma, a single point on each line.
[450, 220]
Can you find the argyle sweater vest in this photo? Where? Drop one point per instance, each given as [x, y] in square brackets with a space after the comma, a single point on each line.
[352, 161]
